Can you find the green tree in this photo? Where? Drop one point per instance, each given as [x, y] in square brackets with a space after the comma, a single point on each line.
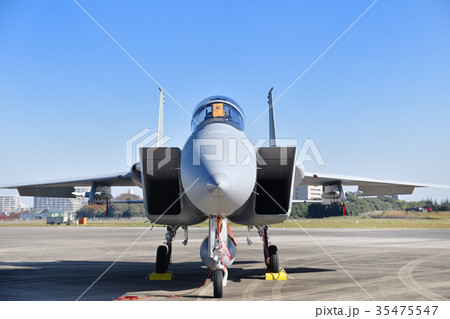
[127, 210]
[91, 211]
[122, 210]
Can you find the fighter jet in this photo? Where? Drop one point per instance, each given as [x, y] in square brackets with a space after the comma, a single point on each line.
[218, 176]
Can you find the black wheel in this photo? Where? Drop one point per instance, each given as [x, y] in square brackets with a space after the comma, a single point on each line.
[274, 265]
[218, 283]
[162, 259]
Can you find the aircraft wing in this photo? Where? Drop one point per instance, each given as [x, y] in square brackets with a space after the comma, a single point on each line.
[368, 186]
[65, 188]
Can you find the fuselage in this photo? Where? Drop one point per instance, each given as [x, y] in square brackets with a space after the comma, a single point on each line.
[218, 163]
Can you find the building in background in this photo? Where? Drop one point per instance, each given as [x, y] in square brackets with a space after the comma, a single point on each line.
[82, 200]
[10, 204]
[60, 204]
[33, 216]
[56, 204]
[308, 192]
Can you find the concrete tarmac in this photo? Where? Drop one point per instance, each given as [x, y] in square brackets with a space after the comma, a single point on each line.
[64, 263]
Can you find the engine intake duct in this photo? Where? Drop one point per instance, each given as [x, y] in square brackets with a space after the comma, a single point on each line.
[274, 180]
[160, 180]
[161, 185]
[271, 201]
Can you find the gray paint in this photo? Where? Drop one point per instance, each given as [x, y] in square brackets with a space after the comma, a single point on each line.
[226, 176]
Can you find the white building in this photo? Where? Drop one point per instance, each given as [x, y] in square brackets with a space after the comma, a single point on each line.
[10, 204]
[308, 192]
[56, 204]
[82, 200]
[60, 204]
[33, 216]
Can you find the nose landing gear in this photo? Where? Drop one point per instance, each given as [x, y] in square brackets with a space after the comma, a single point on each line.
[218, 283]
[218, 255]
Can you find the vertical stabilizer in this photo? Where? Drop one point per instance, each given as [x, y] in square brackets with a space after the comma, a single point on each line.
[159, 136]
[272, 133]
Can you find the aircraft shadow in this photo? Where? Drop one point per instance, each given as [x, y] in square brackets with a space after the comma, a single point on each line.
[69, 279]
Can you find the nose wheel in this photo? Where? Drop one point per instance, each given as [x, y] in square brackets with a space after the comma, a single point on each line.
[218, 283]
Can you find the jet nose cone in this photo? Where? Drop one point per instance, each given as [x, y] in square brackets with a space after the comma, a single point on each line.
[218, 184]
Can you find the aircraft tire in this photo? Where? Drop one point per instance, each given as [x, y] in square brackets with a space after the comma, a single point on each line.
[218, 283]
[162, 259]
[274, 265]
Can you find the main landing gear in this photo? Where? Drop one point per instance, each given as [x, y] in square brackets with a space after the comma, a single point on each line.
[164, 252]
[163, 255]
[270, 251]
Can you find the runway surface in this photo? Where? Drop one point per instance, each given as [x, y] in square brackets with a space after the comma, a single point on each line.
[61, 263]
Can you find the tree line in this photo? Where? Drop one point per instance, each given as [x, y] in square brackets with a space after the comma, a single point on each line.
[358, 206]
[124, 210]
[354, 207]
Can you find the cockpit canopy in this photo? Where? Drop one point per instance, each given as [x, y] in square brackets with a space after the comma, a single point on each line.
[218, 109]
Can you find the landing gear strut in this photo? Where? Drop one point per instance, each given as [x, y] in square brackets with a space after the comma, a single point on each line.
[270, 251]
[217, 252]
[216, 241]
[164, 252]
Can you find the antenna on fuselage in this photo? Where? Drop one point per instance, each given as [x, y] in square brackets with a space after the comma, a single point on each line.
[272, 134]
[159, 135]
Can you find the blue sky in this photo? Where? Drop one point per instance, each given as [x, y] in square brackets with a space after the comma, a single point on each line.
[377, 104]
